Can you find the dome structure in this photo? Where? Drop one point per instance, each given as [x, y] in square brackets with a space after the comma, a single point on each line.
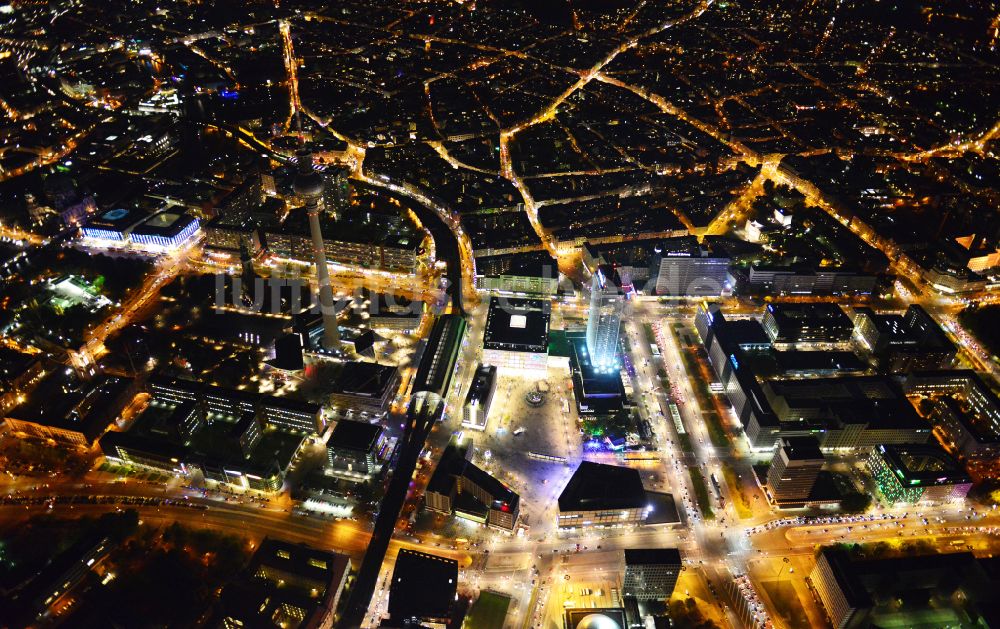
[307, 183]
[597, 621]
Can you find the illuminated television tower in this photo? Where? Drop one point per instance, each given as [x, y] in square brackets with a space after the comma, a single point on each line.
[308, 184]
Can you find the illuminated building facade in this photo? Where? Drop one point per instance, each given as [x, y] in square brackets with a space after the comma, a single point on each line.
[476, 410]
[437, 365]
[113, 226]
[356, 448]
[917, 473]
[904, 342]
[528, 273]
[845, 412]
[283, 414]
[867, 592]
[75, 419]
[517, 334]
[364, 388]
[286, 585]
[683, 267]
[813, 323]
[966, 410]
[423, 589]
[802, 280]
[224, 236]
[602, 496]
[650, 574]
[604, 320]
[165, 230]
[796, 463]
[461, 488]
[50, 588]
[292, 416]
[348, 242]
[18, 373]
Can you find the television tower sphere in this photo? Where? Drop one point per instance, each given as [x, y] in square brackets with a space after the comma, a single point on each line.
[308, 183]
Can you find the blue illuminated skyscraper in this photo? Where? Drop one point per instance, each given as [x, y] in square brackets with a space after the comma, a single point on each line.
[607, 303]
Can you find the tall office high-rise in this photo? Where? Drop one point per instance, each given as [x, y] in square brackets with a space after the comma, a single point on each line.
[650, 574]
[607, 303]
[796, 464]
[477, 402]
[309, 186]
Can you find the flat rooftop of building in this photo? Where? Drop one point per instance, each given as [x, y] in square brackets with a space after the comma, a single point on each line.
[228, 326]
[879, 583]
[435, 364]
[653, 556]
[364, 379]
[482, 383]
[796, 360]
[609, 279]
[629, 253]
[527, 264]
[877, 401]
[880, 414]
[732, 247]
[118, 219]
[977, 424]
[321, 566]
[933, 337]
[801, 448]
[820, 313]
[289, 404]
[354, 435]
[517, 325]
[469, 507]
[736, 332]
[505, 498]
[596, 383]
[254, 600]
[167, 224]
[14, 363]
[844, 388]
[154, 431]
[923, 465]
[287, 353]
[423, 586]
[168, 382]
[597, 391]
[892, 325]
[212, 445]
[853, 590]
[354, 229]
[662, 508]
[231, 221]
[60, 571]
[452, 462]
[63, 402]
[683, 247]
[213, 392]
[596, 486]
